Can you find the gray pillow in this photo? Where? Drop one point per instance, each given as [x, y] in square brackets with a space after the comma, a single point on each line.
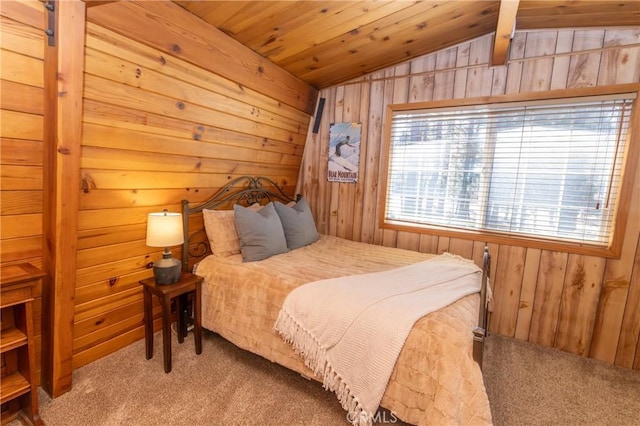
[297, 222]
[260, 233]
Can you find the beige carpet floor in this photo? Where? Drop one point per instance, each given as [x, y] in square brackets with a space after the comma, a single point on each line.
[530, 384]
[527, 385]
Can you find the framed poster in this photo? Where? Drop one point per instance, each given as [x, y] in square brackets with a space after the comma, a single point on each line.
[344, 152]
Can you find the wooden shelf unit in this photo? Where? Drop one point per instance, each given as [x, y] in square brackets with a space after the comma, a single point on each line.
[18, 391]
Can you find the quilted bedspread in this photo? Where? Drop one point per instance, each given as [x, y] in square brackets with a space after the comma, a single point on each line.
[434, 381]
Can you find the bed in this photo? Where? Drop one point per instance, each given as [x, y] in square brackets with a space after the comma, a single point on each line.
[437, 377]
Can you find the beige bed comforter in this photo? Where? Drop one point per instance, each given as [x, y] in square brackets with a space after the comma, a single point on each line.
[435, 380]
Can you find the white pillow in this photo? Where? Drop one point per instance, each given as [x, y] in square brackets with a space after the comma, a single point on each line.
[221, 231]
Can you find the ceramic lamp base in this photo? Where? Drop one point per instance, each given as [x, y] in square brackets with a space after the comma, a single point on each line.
[167, 270]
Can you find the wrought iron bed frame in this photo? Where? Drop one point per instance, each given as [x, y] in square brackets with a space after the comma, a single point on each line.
[248, 190]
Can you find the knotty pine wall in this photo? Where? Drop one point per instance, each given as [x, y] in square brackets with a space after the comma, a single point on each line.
[161, 124]
[580, 304]
[21, 135]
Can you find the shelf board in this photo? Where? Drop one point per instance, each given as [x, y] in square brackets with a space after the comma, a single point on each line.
[12, 339]
[13, 386]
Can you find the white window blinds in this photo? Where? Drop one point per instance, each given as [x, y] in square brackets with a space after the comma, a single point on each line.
[547, 169]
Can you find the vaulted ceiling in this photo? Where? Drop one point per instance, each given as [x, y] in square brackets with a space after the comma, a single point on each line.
[326, 43]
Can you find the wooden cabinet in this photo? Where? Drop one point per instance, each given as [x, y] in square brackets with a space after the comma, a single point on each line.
[18, 391]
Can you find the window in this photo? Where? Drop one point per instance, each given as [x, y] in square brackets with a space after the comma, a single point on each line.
[545, 169]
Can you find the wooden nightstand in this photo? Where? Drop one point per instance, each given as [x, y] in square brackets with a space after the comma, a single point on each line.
[188, 283]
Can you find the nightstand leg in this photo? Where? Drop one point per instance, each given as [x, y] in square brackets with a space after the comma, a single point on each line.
[166, 332]
[186, 314]
[181, 325]
[197, 331]
[148, 324]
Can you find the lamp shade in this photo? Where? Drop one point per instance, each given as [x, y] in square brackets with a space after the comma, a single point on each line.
[164, 229]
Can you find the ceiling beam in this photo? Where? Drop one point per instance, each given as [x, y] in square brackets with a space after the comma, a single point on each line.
[504, 30]
[91, 3]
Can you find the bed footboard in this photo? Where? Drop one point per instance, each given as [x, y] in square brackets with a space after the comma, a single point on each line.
[480, 331]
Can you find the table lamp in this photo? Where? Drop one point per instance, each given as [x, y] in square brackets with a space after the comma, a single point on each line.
[164, 229]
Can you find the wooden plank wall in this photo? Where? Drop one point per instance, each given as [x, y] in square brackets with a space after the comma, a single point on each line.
[581, 304]
[159, 126]
[21, 144]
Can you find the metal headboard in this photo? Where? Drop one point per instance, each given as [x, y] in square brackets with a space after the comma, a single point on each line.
[245, 190]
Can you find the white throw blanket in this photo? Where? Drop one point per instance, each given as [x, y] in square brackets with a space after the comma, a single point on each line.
[350, 330]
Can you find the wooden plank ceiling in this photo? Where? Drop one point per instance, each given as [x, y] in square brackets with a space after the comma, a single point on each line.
[329, 42]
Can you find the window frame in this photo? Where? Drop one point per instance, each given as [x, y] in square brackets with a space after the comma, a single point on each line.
[630, 165]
